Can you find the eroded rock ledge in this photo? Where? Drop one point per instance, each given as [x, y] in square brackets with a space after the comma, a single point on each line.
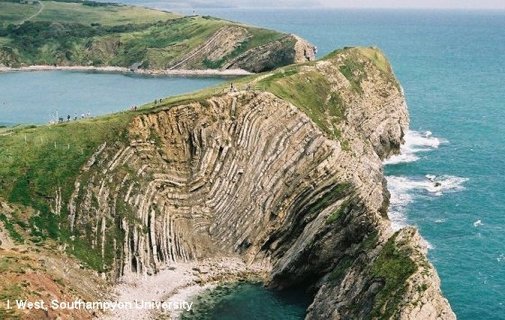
[288, 173]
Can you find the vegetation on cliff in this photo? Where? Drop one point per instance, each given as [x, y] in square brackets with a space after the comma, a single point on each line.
[394, 266]
[86, 33]
[41, 163]
[40, 271]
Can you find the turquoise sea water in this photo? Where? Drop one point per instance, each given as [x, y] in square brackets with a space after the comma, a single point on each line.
[37, 97]
[451, 65]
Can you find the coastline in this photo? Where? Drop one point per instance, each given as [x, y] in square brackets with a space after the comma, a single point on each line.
[145, 72]
[180, 281]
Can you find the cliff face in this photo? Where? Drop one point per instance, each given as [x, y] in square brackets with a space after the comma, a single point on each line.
[274, 174]
[229, 48]
[284, 51]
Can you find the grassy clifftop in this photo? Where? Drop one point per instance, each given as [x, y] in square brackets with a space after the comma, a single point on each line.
[87, 33]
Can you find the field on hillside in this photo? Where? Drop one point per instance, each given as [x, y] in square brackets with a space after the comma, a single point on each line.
[12, 12]
[78, 12]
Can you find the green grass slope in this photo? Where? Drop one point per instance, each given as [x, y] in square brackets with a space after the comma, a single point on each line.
[36, 162]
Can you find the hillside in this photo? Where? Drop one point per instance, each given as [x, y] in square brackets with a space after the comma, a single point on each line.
[285, 171]
[86, 33]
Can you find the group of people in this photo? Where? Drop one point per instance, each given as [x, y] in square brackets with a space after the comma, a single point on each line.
[134, 107]
[235, 89]
[156, 101]
[69, 117]
[88, 114]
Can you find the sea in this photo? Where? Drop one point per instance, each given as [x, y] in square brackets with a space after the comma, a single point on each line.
[450, 179]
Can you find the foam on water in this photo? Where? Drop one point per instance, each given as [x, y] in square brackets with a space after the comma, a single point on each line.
[477, 223]
[404, 190]
[415, 142]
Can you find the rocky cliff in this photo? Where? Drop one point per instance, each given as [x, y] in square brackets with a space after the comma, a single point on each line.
[250, 173]
[285, 170]
[287, 50]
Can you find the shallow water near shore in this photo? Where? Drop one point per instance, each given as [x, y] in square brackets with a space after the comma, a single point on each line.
[248, 301]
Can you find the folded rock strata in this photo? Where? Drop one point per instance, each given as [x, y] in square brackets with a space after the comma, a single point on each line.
[263, 175]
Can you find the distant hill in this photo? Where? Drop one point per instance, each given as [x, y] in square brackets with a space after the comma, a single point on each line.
[86, 33]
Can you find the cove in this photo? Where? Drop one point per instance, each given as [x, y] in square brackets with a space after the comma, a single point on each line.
[248, 301]
[38, 97]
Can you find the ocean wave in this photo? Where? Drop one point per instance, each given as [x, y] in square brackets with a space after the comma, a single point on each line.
[415, 142]
[426, 243]
[404, 190]
[477, 223]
